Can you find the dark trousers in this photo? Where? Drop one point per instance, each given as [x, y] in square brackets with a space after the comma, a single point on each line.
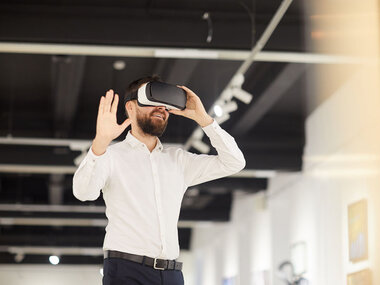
[118, 271]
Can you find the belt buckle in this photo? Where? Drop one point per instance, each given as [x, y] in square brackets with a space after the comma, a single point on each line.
[155, 265]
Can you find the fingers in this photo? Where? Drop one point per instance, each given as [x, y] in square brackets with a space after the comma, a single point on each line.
[176, 112]
[108, 101]
[189, 92]
[114, 104]
[101, 106]
[185, 88]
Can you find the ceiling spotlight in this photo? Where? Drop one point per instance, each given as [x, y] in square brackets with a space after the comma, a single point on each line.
[54, 259]
[226, 94]
[119, 64]
[242, 95]
[222, 119]
[238, 80]
[230, 107]
[218, 110]
[223, 110]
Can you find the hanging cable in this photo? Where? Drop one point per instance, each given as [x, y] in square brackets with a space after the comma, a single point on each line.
[206, 16]
[252, 18]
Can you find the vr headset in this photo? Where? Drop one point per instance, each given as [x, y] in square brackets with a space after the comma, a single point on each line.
[159, 94]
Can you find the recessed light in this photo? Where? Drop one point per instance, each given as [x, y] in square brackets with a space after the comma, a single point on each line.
[119, 64]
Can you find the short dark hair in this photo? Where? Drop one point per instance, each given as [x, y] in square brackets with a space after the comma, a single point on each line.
[135, 85]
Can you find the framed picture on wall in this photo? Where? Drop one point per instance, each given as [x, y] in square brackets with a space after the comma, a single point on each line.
[360, 278]
[358, 231]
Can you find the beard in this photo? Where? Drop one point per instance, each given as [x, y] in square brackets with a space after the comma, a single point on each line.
[151, 126]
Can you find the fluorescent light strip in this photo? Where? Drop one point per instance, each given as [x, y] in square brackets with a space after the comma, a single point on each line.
[53, 222]
[24, 168]
[45, 250]
[52, 208]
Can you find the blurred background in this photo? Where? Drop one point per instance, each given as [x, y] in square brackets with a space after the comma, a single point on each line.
[295, 82]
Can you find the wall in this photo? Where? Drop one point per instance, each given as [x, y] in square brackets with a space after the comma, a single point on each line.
[341, 166]
[240, 248]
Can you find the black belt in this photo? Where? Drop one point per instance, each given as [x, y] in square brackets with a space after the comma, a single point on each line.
[161, 264]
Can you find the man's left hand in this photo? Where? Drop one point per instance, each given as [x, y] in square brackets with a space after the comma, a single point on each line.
[194, 109]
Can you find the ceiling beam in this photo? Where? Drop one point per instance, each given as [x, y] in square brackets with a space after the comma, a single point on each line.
[70, 222]
[290, 160]
[68, 237]
[56, 222]
[51, 208]
[168, 52]
[252, 185]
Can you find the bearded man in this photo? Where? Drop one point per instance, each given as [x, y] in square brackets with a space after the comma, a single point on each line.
[143, 184]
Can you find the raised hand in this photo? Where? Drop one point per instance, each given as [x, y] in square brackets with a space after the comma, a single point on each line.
[194, 109]
[107, 128]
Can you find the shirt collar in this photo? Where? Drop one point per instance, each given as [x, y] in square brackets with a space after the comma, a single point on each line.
[134, 142]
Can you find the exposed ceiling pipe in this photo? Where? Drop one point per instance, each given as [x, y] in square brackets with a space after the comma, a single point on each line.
[216, 54]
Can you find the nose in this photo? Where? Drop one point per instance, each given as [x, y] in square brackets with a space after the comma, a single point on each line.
[161, 108]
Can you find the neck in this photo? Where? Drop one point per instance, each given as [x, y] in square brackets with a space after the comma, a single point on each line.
[148, 140]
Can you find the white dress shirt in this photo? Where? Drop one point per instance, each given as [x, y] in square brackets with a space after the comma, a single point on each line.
[143, 190]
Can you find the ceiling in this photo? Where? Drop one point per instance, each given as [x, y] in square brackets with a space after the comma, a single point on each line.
[49, 96]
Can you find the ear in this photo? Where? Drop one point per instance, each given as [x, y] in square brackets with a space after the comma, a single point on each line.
[128, 106]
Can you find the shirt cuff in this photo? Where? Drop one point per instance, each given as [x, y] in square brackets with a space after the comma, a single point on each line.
[212, 128]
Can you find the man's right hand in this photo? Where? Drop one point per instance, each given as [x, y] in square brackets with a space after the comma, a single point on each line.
[107, 128]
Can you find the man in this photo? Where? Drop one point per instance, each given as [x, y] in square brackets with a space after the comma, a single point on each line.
[143, 184]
